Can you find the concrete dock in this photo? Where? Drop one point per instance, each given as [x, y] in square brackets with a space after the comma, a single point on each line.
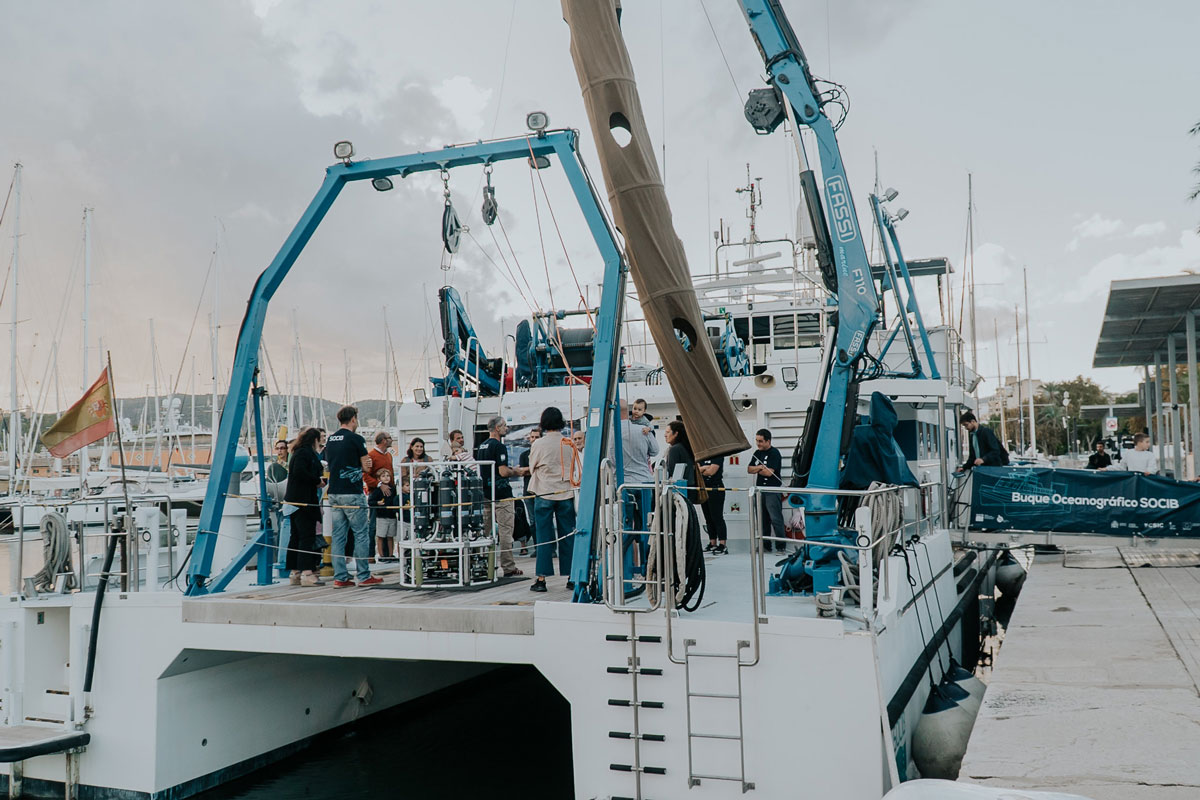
[1094, 691]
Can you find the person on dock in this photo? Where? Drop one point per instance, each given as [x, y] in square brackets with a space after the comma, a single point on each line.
[766, 464]
[381, 459]
[1141, 458]
[553, 507]
[302, 498]
[985, 449]
[494, 450]
[1100, 459]
[578, 438]
[384, 502]
[346, 453]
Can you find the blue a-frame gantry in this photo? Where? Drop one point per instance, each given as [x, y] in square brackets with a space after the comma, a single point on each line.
[544, 145]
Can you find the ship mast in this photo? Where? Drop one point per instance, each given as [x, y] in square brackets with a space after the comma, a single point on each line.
[87, 288]
[14, 425]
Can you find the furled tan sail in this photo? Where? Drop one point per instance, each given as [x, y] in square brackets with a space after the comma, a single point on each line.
[656, 257]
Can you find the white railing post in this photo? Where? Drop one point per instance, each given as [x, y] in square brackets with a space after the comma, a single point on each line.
[866, 561]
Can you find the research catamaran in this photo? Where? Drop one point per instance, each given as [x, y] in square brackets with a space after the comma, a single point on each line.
[809, 675]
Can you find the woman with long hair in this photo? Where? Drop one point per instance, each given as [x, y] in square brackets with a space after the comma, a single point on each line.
[550, 460]
[302, 497]
[415, 455]
[679, 451]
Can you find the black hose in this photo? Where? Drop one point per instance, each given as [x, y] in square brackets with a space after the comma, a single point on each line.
[101, 589]
[694, 573]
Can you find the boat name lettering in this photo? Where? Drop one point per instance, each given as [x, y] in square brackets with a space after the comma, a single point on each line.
[839, 209]
[1098, 502]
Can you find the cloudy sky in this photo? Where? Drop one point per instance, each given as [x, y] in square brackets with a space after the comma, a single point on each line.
[199, 131]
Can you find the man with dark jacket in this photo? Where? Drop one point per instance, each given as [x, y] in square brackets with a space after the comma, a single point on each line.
[985, 449]
[1099, 459]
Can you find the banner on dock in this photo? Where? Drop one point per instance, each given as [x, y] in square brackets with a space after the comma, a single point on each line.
[1083, 501]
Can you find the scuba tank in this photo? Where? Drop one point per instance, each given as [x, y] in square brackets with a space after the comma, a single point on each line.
[472, 486]
[424, 505]
[447, 497]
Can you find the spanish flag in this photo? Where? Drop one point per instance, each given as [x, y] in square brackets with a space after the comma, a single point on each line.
[89, 420]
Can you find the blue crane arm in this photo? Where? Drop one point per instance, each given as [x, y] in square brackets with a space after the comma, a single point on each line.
[464, 354]
[787, 68]
[857, 301]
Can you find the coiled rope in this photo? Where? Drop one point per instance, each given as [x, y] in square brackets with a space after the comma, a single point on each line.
[56, 549]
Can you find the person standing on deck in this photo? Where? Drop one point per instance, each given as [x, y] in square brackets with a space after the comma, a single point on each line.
[415, 455]
[458, 447]
[498, 472]
[346, 454]
[639, 447]
[765, 465]
[985, 449]
[712, 470]
[381, 459]
[303, 489]
[523, 470]
[384, 501]
[277, 475]
[553, 507]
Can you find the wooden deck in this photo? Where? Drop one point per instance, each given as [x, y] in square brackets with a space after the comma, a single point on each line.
[503, 608]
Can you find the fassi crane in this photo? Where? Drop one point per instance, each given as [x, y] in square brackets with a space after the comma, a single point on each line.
[841, 252]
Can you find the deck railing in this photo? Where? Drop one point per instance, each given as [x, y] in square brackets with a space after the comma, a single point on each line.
[27, 509]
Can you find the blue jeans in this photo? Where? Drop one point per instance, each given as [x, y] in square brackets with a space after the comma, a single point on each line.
[284, 533]
[357, 521]
[555, 519]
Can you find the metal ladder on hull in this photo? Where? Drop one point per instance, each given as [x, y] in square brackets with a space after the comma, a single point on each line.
[691, 655]
[633, 667]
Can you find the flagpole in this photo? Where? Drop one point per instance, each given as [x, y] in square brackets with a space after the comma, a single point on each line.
[110, 549]
[129, 528]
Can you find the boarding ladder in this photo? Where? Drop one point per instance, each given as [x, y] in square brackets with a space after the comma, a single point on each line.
[614, 535]
[692, 657]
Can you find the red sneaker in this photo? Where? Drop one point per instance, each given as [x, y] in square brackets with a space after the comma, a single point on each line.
[342, 584]
[371, 581]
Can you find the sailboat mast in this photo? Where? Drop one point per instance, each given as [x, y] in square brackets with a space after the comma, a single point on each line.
[1020, 401]
[87, 289]
[158, 414]
[214, 328]
[971, 269]
[387, 389]
[14, 426]
[192, 392]
[1000, 383]
[1029, 367]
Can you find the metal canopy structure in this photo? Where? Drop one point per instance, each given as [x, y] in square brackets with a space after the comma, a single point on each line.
[1140, 316]
[1145, 321]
